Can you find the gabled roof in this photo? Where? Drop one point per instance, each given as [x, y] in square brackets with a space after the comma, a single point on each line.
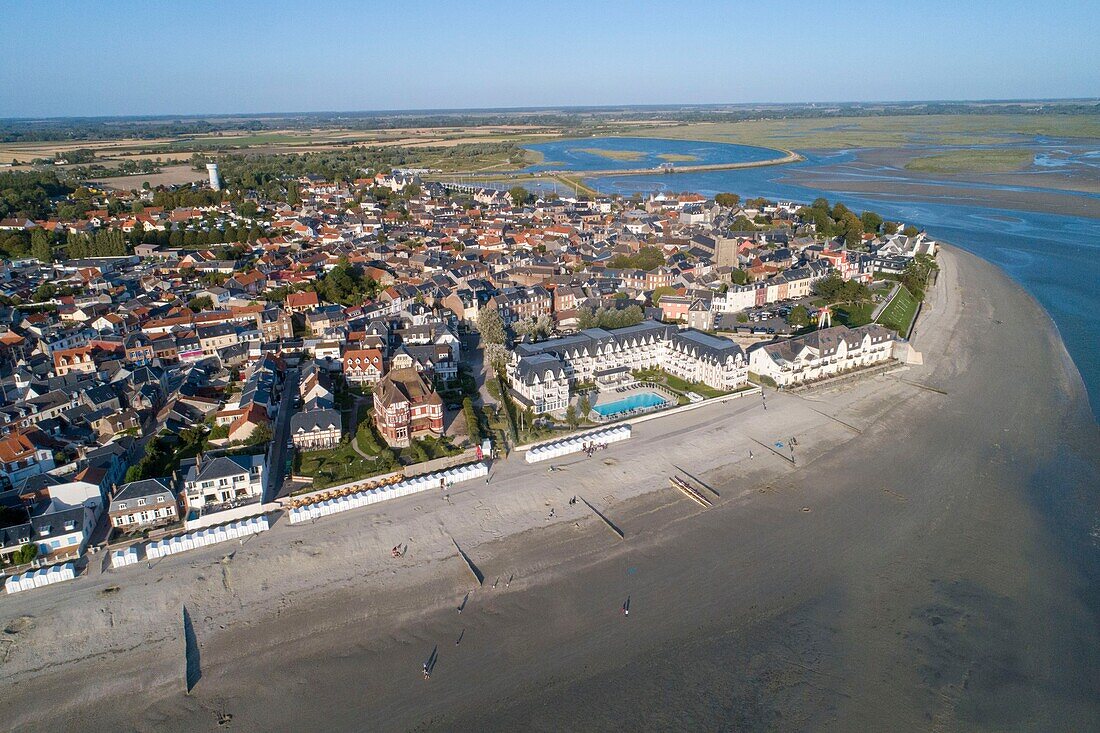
[144, 488]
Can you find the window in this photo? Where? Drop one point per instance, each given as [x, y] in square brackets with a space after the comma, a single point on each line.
[122, 505]
[141, 502]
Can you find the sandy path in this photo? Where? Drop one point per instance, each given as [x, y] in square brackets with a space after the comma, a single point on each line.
[929, 585]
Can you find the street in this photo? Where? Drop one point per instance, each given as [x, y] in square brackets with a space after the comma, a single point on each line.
[276, 466]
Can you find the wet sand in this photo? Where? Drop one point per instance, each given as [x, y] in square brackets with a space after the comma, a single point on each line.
[875, 172]
[931, 562]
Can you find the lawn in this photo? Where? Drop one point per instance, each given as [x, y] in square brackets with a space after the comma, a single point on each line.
[339, 465]
[427, 449]
[899, 314]
[676, 384]
[853, 315]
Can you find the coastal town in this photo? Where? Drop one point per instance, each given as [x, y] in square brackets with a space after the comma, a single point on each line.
[180, 361]
[451, 367]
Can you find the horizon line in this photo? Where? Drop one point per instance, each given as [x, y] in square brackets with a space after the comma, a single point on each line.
[443, 111]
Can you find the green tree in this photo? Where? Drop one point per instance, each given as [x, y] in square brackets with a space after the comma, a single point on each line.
[661, 292]
[871, 221]
[473, 425]
[260, 435]
[491, 326]
[739, 277]
[799, 316]
[571, 418]
[45, 291]
[536, 328]
[40, 246]
[519, 195]
[25, 554]
[890, 227]
[201, 303]
[910, 231]
[646, 258]
[727, 199]
[496, 356]
[583, 407]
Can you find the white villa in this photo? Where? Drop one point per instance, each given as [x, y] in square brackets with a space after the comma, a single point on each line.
[797, 283]
[222, 482]
[822, 353]
[542, 373]
[316, 429]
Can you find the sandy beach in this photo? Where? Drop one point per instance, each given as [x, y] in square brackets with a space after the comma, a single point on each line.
[930, 561]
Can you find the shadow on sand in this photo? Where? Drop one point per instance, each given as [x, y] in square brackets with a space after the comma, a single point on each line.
[191, 652]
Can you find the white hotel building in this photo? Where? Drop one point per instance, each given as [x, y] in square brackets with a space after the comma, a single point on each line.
[542, 373]
[822, 353]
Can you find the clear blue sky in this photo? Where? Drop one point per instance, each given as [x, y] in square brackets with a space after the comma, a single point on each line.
[116, 57]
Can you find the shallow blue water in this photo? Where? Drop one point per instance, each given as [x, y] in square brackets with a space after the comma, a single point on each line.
[1054, 257]
[641, 399]
[571, 155]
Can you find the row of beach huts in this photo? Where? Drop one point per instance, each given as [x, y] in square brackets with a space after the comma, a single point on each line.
[577, 443]
[40, 577]
[309, 511]
[413, 485]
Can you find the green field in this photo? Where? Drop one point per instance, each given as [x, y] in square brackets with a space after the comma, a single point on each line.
[899, 314]
[885, 131]
[979, 161]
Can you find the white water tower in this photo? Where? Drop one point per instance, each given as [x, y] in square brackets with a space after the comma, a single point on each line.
[215, 182]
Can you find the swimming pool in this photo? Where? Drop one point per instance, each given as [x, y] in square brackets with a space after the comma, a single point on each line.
[634, 401]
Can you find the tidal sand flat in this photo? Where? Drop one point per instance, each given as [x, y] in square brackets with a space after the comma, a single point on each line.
[926, 562]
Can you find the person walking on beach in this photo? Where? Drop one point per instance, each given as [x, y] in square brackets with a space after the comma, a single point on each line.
[751, 455]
